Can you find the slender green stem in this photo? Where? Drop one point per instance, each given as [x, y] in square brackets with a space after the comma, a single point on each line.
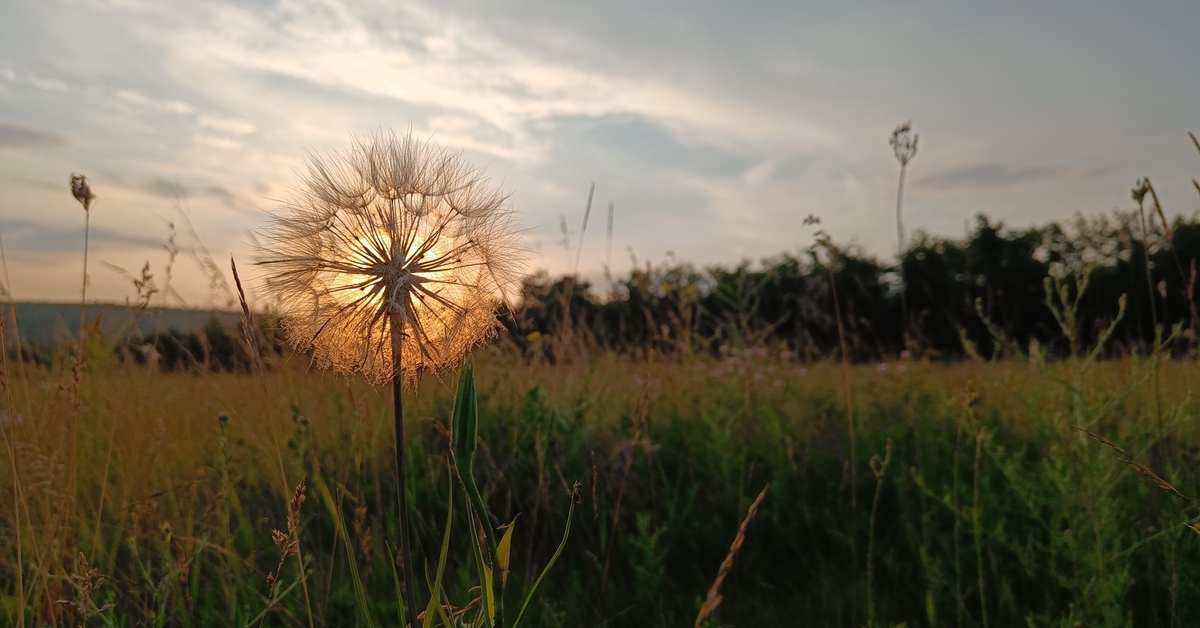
[481, 514]
[410, 580]
[978, 526]
[879, 468]
[837, 313]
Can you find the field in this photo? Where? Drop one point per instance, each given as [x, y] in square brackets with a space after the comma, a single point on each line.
[974, 499]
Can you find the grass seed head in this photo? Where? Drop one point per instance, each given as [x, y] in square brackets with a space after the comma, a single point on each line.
[81, 190]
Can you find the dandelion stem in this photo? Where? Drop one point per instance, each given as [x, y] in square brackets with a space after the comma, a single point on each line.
[410, 594]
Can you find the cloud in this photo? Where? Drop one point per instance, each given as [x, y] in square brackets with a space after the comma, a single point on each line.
[996, 175]
[27, 237]
[713, 132]
[156, 104]
[442, 61]
[232, 126]
[48, 84]
[223, 143]
[174, 190]
[18, 136]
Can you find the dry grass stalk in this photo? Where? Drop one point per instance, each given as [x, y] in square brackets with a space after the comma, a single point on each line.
[6, 427]
[1197, 145]
[288, 544]
[824, 241]
[879, 468]
[86, 580]
[713, 599]
[82, 193]
[247, 319]
[1128, 459]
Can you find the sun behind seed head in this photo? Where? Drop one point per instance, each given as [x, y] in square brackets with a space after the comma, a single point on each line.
[396, 247]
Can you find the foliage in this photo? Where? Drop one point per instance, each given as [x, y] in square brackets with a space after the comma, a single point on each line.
[174, 508]
[786, 300]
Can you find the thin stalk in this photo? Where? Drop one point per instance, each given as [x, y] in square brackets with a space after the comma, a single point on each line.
[879, 468]
[12, 309]
[569, 287]
[899, 199]
[904, 145]
[87, 220]
[1146, 264]
[900, 252]
[18, 495]
[954, 481]
[77, 415]
[608, 245]
[480, 508]
[410, 579]
[837, 312]
[978, 525]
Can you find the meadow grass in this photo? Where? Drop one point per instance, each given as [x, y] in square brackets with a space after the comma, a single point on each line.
[989, 507]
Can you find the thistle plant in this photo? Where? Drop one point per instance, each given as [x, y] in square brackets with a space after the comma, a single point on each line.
[389, 260]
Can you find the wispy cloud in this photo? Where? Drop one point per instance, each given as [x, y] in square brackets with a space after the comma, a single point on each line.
[20, 136]
[154, 104]
[996, 175]
[713, 131]
[438, 59]
[40, 238]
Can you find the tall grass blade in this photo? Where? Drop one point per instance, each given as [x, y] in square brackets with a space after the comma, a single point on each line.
[575, 500]
[334, 507]
[436, 587]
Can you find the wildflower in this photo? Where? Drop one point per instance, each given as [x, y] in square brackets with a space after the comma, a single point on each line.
[390, 259]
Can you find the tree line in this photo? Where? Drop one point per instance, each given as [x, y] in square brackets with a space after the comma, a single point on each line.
[1058, 286]
[997, 289]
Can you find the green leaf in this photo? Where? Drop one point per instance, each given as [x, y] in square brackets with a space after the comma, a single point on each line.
[477, 551]
[503, 550]
[436, 588]
[491, 597]
[334, 507]
[553, 559]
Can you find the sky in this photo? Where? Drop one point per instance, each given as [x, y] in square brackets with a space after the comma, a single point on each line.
[712, 128]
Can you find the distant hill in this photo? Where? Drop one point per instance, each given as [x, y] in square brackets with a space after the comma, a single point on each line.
[53, 323]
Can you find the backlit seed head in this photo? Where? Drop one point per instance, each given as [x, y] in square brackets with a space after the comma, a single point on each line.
[395, 247]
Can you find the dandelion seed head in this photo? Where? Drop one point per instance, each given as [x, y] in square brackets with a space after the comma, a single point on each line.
[396, 247]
